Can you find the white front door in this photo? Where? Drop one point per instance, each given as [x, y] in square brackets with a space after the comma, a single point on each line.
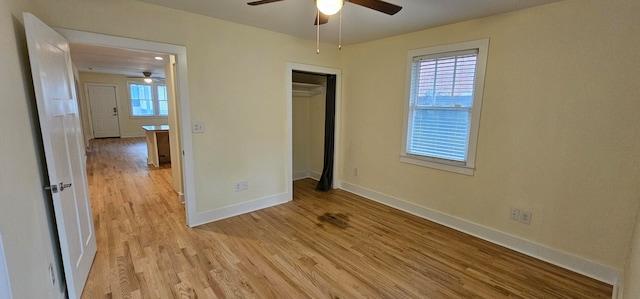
[104, 110]
[64, 153]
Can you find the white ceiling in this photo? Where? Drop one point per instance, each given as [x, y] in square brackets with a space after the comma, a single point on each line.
[104, 60]
[296, 17]
[359, 24]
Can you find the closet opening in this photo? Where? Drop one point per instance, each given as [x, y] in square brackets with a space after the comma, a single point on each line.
[313, 127]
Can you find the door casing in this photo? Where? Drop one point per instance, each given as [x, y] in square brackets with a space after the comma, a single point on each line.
[183, 102]
[290, 67]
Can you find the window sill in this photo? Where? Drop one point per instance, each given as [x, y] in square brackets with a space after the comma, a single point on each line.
[466, 170]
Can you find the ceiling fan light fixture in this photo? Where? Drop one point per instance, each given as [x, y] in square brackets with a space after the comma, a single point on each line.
[329, 7]
[147, 77]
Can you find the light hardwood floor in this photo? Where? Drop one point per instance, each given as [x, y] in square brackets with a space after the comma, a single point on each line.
[320, 245]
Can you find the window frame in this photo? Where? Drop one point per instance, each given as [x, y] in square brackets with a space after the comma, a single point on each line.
[155, 100]
[467, 167]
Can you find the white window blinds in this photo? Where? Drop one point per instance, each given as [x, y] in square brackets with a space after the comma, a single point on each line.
[440, 105]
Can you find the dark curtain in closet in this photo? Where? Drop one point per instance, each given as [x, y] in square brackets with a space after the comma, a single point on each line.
[324, 184]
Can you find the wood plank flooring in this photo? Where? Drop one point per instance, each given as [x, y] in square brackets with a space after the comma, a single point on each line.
[320, 245]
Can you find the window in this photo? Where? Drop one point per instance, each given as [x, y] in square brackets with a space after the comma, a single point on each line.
[148, 100]
[443, 107]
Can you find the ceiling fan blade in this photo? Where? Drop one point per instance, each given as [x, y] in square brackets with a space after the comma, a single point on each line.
[254, 3]
[323, 19]
[379, 5]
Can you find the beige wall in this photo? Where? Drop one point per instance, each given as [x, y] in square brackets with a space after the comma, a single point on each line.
[632, 267]
[174, 125]
[26, 219]
[317, 109]
[308, 134]
[300, 135]
[559, 132]
[129, 126]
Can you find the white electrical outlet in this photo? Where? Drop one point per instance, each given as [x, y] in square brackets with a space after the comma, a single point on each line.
[241, 186]
[514, 214]
[525, 217]
[356, 171]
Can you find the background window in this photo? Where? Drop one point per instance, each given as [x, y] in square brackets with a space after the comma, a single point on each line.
[443, 107]
[163, 106]
[148, 99]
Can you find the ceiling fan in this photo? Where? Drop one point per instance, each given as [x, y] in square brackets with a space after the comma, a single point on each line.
[330, 7]
[147, 77]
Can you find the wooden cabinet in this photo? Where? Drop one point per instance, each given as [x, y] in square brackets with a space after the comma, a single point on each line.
[158, 149]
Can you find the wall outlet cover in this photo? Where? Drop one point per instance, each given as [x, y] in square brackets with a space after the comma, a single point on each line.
[525, 217]
[514, 214]
[241, 186]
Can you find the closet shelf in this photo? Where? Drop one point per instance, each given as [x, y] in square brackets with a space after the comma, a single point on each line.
[306, 89]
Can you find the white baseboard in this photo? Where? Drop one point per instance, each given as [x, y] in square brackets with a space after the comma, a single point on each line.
[618, 287]
[238, 209]
[314, 175]
[300, 175]
[181, 196]
[306, 174]
[579, 265]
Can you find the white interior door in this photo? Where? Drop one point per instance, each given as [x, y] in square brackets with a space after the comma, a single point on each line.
[62, 139]
[104, 110]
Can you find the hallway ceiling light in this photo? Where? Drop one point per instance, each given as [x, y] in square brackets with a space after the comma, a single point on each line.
[147, 77]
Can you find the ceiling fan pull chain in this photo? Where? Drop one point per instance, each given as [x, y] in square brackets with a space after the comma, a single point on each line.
[318, 33]
[340, 33]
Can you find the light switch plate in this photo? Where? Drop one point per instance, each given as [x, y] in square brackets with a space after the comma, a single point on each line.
[198, 127]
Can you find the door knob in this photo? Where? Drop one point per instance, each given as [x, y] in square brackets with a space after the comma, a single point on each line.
[55, 188]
